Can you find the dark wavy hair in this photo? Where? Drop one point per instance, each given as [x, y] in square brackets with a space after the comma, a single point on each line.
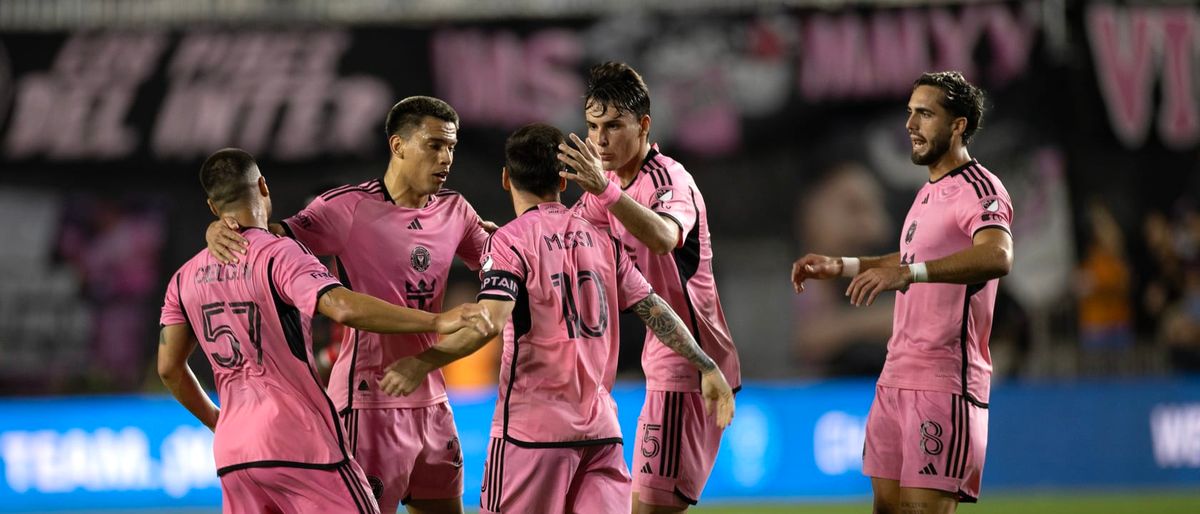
[617, 85]
[960, 97]
[531, 157]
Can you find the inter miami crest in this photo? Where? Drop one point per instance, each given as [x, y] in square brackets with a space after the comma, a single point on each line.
[419, 259]
[912, 230]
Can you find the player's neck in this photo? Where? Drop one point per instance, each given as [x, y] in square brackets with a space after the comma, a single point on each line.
[628, 171]
[523, 201]
[401, 192]
[248, 217]
[952, 159]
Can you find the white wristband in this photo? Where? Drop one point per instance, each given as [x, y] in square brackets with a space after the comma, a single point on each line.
[919, 273]
[850, 266]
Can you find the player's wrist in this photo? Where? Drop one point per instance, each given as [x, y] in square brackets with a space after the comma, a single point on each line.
[917, 272]
[610, 194]
[850, 266]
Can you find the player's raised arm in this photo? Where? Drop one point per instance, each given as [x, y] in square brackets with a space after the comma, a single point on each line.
[368, 313]
[671, 331]
[175, 344]
[658, 233]
[405, 375]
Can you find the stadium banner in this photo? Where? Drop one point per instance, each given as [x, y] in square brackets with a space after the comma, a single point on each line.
[788, 440]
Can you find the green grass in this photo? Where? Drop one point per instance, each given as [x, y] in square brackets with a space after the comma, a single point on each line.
[1067, 503]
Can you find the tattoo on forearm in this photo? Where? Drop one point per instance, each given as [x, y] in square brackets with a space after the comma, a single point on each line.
[665, 324]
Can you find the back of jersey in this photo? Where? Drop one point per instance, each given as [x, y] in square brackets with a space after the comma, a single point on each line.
[569, 281]
[252, 320]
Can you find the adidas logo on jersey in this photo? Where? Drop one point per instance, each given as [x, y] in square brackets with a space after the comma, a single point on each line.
[415, 225]
[646, 469]
[928, 470]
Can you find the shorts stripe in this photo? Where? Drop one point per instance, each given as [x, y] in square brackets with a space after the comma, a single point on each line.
[952, 449]
[672, 433]
[347, 478]
[494, 478]
[966, 408]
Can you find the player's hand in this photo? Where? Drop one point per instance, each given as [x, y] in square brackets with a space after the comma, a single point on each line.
[488, 226]
[867, 285]
[224, 240]
[584, 159]
[404, 376]
[467, 315]
[718, 397]
[814, 266]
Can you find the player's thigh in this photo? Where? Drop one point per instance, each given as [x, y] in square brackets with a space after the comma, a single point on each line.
[439, 506]
[437, 474]
[386, 444]
[527, 479]
[602, 483]
[676, 447]
[886, 493]
[241, 495]
[915, 500]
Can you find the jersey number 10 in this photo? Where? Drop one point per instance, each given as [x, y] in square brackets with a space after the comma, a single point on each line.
[575, 323]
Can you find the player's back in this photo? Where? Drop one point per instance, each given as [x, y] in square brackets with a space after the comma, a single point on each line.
[569, 281]
[252, 320]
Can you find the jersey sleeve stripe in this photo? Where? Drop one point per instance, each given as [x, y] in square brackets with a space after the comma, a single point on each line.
[982, 181]
[335, 190]
[971, 180]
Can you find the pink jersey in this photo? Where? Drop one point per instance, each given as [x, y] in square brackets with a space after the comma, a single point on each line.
[940, 331]
[399, 255]
[252, 320]
[570, 280]
[684, 277]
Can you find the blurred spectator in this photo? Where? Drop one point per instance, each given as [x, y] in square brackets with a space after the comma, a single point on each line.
[844, 212]
[1103, 285]
[1180, 328]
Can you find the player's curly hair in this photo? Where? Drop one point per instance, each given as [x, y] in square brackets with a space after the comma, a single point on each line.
[531, 157]
[411, 111]
[960, 97]
[617, 85]
[228, 175]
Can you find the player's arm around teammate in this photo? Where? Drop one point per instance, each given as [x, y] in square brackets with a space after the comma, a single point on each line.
[989, 257]
[405, 375]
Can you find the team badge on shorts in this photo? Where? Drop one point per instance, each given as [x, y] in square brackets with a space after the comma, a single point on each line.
[419, 259]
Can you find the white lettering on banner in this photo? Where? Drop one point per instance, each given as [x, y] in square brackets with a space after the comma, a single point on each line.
[1175, 431]
[50, 462]
[499, 78]
[838, 442]
[77, 109]
[273, 94]
[1132, 49]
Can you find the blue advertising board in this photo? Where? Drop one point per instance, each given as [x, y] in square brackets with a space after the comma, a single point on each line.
[788, 440]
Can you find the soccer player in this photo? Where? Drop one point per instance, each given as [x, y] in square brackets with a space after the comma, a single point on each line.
[927, 428]
[278, 444]
[555, 437]
[395, 238]
[651, 204]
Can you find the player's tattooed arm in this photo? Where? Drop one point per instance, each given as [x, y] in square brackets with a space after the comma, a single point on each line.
[671, 331]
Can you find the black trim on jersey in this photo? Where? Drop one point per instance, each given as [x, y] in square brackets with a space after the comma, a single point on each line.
[687, 257]
[962, 340]
[357, 494]
[664, 177]
[500, 298]
[737, 389]
[289, 318]
[565, 444]
[984, 182]
[287, 230]
[344, 276]
[368, 189]
[685, 498]
[279, 464]
[1001, 227]
[529, 210]
[324, 290]
[522, 323]
[383, 189]
[978, 192]
[955, 171]
[337, 189]
[179, 297]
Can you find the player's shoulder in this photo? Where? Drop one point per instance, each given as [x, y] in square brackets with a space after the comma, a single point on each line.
[353, 192]
[975, 183]
[664, 168]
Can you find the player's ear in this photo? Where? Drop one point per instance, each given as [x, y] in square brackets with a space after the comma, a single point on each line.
[504, 181]
[562, 184]
[957, 127]
[213, 208]
[262, 187]
[644, 123]
[396, 145]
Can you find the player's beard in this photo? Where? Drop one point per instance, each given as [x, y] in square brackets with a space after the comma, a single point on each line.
[934, 150]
